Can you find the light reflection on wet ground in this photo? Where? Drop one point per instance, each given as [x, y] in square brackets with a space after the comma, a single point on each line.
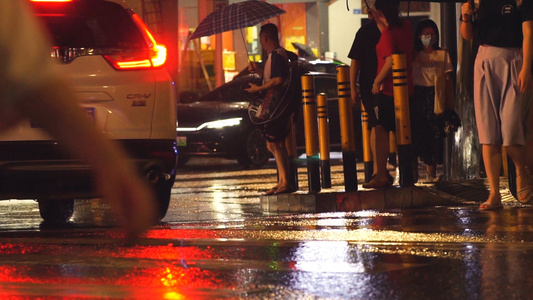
[216, 243]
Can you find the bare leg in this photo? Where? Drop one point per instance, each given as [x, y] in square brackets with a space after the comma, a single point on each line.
[281, 155]
[373, 149]
[432, 172]
[381, 147]
[523, 180]
[492, 159]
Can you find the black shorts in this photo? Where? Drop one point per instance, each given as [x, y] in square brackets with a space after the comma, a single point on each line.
[278, 129]
[385, 112]
[370, 102]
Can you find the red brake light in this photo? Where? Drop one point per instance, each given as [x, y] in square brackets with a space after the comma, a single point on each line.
[154, 57]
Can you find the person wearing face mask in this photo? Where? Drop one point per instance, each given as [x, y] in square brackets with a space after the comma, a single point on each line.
[431, 74]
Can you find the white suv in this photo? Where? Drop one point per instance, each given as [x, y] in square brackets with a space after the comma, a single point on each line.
[117, 70]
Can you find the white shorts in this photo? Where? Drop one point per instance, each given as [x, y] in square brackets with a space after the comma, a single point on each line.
[502, 112]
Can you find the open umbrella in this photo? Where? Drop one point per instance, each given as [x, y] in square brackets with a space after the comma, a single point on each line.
[236, 16]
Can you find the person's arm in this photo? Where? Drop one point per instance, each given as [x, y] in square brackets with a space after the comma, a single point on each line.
[355, 67]
[271, 83]
[450, 86]
[254, 67]
[525, 78]
[385, 71]
[466, 21]
[116, 178]
[33, 89]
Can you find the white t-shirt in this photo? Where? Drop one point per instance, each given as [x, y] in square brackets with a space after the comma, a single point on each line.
[425, 67]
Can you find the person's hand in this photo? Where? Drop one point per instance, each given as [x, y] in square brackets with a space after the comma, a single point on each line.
[252, 67]
[376, 88]
[356, 98]
[466, 12]
[129, 195]
[253, 88]
[525, 80]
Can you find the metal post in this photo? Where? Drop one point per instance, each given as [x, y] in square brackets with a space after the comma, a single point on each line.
[323, 139]
[367, 149]
[311, 133]
[290, 143]
[347, 128]
[403, 124]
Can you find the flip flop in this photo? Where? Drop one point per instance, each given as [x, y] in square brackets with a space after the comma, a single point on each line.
[528, 192]
[486, 206]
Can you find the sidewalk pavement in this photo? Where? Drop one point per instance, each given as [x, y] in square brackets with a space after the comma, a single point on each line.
[443, 193]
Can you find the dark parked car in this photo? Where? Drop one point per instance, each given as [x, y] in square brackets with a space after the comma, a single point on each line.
[217, 124]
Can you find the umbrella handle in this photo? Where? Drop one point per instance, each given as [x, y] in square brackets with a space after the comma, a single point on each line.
[245, 45]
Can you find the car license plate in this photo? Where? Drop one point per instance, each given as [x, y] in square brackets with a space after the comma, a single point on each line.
[181, 141]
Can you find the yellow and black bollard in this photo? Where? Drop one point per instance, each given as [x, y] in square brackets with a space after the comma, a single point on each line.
[367, 149]
[311, 133]
[347, 128]
[323, 139]
[403, 123]
[290, 143]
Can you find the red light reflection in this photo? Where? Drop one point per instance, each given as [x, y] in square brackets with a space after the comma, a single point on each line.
[166, 268]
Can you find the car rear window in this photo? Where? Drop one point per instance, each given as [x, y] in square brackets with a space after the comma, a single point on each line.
[90, 25]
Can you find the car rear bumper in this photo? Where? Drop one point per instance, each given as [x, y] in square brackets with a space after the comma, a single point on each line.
[31, 170]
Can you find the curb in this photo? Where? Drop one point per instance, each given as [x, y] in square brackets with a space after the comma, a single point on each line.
[329, 200]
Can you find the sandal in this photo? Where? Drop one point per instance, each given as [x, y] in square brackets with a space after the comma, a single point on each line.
[490, 205]
[525, 194]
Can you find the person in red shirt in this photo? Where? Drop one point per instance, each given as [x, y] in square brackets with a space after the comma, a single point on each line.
[396, 37]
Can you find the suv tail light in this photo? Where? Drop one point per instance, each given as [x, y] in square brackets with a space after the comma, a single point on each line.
[155, 56]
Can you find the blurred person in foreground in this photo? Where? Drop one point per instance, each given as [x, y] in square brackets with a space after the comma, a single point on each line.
[274, 72]
[30, 87]
[503, 83]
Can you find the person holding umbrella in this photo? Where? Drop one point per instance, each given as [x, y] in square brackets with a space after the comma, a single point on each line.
[274, 72]
[503, 86]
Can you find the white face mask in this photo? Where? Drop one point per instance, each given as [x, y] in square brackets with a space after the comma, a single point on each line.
[427, 40]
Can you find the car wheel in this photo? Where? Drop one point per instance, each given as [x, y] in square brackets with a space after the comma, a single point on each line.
[254, 153]
[56, 211]
[163, 190]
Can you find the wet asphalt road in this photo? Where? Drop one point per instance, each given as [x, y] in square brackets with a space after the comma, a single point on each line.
[217, 243]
